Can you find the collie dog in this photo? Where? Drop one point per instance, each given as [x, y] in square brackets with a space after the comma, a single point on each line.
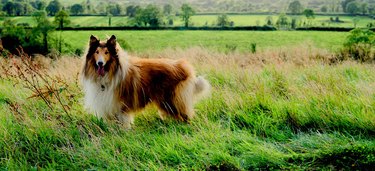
[116, 86]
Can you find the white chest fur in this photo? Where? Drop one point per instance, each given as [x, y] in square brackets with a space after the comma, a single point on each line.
[100, 98]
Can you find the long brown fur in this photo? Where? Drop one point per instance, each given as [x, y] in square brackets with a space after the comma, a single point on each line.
[170, 84]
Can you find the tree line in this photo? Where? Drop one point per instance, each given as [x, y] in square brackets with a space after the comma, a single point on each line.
[38, 40]
[353, 7]
[27, 7]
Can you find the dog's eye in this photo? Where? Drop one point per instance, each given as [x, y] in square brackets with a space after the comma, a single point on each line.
[106, 52]
[97, 52]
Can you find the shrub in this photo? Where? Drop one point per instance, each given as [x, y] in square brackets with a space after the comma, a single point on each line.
[78, 52]
[359, 52]
[14, 36]
[370, 25]
[230, 47]
[32, 40]
[269, 21]
[293, 24]
[223, 20]
[231, 23]
[170, 22]
[253, 47]
[282, 22]
[23, 24]
[359, 46]
[360, 36]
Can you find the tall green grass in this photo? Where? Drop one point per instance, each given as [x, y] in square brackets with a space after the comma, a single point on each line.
[264, 112]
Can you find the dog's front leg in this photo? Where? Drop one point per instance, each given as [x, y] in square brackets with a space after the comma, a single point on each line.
[126, 119]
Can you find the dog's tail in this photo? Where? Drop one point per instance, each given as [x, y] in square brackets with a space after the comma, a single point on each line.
[202, 87]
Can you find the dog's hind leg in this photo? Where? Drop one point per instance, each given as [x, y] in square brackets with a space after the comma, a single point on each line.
[169, 109]
[162, 113]
[184, 100]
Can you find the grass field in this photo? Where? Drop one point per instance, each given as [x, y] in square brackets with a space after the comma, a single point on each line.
[210, 20]
[224, 41]
[260, 20]
[284, 107]
[276, 109]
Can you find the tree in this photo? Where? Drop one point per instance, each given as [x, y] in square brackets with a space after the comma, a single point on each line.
[77, 9]
[12, 36]
[154, 15]
[187, 12]
[269, 21]
[61, 19]
[371, 9]
[101, 8]
[345, 3]
[353, 8]
[309, 13]
[167, 9]
[324, 9]
[282, 21]
[334, 5]
[3, 15]
[40, 16]
[110, 19]
[18, 8]
[114, 9]
[151, 15]
[295, 7]
[293, 23]
[38, 4]
[170, 21]
[88, 6]
[337, 19]
[139, 18]
[53, 7]
[131, 11]
[43, 27]
[28, 8]
[223, 20]
[364, 8]
[9, 8]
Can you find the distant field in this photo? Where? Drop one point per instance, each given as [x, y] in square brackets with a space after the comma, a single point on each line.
[253, 20]
[210, 20]
[154, 41]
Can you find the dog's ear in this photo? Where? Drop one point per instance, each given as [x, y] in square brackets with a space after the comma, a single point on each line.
[112, 41]
[94, 43]
[93, 40]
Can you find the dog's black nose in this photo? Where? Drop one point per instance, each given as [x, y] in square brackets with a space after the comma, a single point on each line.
[100, 63]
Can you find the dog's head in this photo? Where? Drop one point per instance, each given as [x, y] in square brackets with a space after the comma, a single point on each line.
[102, 54]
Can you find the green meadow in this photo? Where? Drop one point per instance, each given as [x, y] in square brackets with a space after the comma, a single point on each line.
[156, 41]
[286, 106]
[260, 20]
[210, 20]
